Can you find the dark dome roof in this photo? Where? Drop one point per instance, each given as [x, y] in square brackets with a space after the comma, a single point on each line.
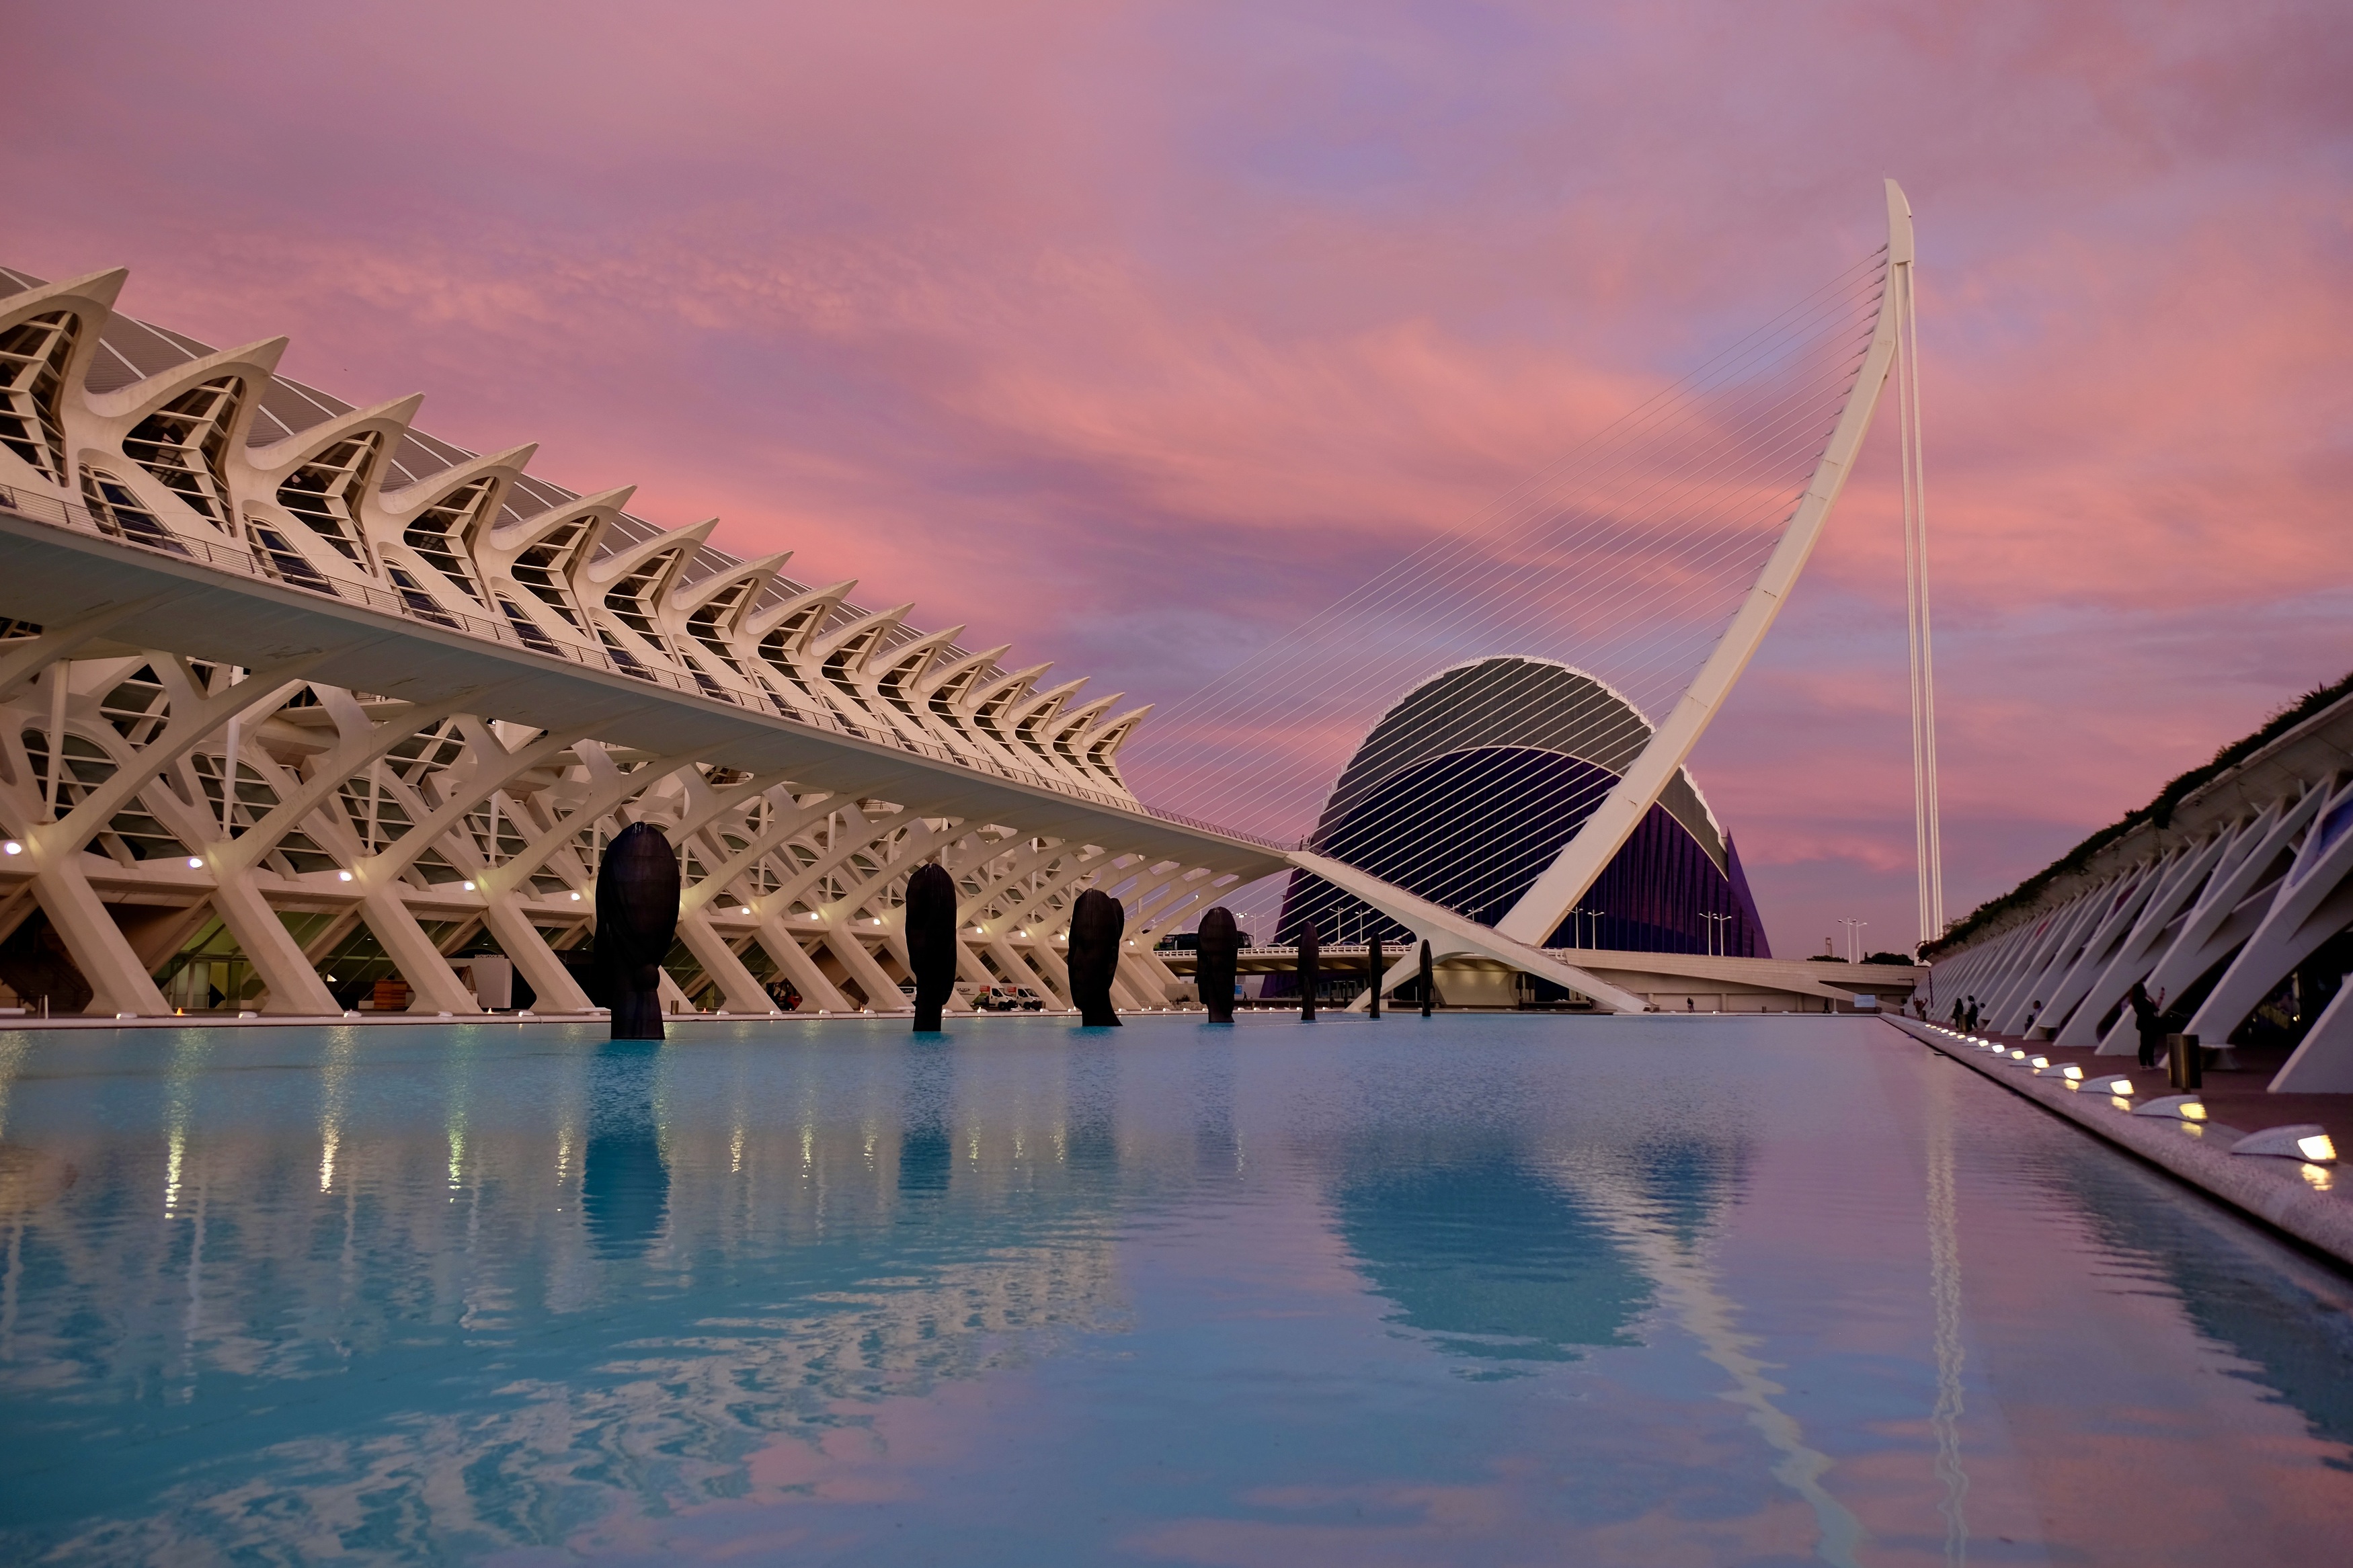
[1511, 700]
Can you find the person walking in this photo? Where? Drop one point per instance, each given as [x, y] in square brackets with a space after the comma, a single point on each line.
[2148, 1022]
[1973, 1015]
[1958, 1017]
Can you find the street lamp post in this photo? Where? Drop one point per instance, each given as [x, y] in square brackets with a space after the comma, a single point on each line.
[1716, 934]
[1854, 940]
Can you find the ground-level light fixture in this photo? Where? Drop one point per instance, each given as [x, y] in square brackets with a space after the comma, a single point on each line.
[2305, 1140]
[575, 898]
[2174, 1108]
[2116, 1084]
[470, 887]
[11, 847]
[744, 911]
[196, 862]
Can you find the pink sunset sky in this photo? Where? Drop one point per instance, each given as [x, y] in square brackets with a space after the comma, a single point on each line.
[1130, 335]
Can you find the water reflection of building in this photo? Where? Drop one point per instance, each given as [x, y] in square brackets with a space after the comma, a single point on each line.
[1486, 1248]
[671, 1265]
[1490, 1259]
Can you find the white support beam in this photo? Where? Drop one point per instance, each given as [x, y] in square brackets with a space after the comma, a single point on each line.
[1558, 890]
[1453, 933]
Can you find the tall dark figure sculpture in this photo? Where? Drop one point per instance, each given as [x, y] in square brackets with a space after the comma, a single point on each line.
[1373, 967]
[1311, 960]
[1097, 925]
[1213, 972]
[637, 918]
[1429, 986]
[932, 942]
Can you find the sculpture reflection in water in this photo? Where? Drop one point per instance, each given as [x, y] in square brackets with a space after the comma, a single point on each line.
[926, 1100]
[545, 1286]
[624, 1179]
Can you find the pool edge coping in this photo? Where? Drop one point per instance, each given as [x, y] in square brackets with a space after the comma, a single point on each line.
[2267, 1190]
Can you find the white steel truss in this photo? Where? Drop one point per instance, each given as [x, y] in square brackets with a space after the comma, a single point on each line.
[295, 692]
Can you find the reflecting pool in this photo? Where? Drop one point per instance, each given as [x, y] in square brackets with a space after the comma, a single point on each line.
[1464, 1290]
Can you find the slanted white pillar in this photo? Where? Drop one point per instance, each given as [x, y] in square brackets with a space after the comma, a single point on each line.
[1558, 888]
[2226, 915]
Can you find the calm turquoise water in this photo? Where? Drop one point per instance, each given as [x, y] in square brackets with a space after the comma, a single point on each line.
[1466, 1290]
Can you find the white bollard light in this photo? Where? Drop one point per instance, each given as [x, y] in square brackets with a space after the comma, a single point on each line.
[2305, 1140]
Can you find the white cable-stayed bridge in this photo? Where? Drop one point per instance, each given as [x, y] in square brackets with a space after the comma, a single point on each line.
[310, 712]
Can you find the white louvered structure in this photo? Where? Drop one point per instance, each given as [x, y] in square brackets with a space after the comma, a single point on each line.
[336, 699]
[2232, 904]
[297, 696]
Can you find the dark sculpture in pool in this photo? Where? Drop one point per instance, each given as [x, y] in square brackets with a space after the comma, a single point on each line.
[1213, 975]
[1097, 923]
[637, 920]
[932, 942]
